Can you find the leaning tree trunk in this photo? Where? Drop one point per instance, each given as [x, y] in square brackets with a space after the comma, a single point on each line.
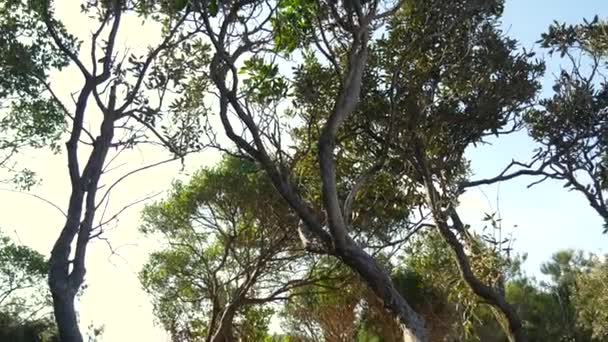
[515, 330]
[380, 283]
[337, 239]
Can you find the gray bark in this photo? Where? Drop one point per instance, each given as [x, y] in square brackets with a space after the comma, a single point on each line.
[380, 283]
[337, 241]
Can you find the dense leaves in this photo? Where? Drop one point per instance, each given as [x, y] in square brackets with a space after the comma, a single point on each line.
[228, 253]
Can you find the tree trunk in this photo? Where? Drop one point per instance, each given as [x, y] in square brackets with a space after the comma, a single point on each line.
[64, 284]
[65, 316]
[338, 242]
[224, 332]
[61, 287]
[515, 330]
[380, 283]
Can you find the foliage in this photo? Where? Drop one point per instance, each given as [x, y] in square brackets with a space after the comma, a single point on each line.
[293, 24]
[383, 119]
[24, 299]
[414, 102]
[572, 125]
[227, 253]
[591, 299]
[451, 304]
[29, 114]
[564, 269]
[133, 95]
[419, 88]
[428, 278]
[39, 330]
[327, 310]
[22, 279]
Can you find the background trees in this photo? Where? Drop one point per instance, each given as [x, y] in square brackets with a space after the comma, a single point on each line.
[589, 299]
[230, 252]
[25, 303]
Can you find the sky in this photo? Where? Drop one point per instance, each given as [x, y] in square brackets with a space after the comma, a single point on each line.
[548, 217]
[542, 219]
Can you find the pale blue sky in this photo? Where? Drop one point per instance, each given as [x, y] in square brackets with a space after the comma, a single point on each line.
[548, 216]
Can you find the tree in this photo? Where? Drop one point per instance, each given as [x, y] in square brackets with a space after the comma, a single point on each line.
[590, 300]
[374, 323]
[570, 126]
[326, 310]
[129, 93]
[423, 102]
[404, 105]
[39, 330]
[431, 102]
[230, 252]
[564, 268]
[538, 308]
[352, 24]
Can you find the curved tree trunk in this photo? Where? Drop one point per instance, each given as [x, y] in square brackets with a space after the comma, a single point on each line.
[515, 328]
[336, 241]
[380, 283]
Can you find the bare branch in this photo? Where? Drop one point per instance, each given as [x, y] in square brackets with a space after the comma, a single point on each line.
[131, 173]
[38, 197]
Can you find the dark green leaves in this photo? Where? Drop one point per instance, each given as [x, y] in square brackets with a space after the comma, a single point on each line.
[293, 24]
[572, 125]
[213, 7]
[590, 36]
[263, 81]
[227, 239]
